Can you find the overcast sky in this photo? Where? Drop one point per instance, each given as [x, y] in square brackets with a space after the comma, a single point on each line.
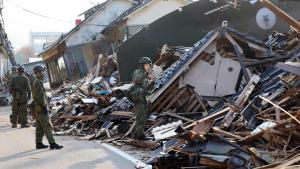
[18, 23]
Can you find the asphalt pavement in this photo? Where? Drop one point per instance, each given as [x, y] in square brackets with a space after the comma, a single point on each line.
[17, 151]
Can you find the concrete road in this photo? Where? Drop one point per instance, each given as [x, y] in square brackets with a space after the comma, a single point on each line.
[17, 151]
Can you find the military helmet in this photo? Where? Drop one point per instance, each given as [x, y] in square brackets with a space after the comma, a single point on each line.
[21, 69]
[145, 60]
[14, 68]
[38, 68]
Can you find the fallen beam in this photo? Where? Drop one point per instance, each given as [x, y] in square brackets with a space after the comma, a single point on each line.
[286, 112]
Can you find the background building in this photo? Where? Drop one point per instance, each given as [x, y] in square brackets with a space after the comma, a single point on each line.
[37, 40]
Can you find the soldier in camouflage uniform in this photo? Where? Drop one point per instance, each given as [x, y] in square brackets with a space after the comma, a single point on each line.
[9, 75]
[43, 124]
[20, 89]
[138, 96]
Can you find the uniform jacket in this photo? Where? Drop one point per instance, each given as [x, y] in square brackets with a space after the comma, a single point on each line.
[20, 88]
[39, 95]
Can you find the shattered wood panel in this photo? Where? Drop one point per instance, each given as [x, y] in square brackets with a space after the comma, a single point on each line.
[239, 103]
[202, 127]
[161, 101]
[184, 99]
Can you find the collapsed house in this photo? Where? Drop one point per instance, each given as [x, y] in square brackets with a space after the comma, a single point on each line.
[218, 65]
[230, 101]
[251, 128]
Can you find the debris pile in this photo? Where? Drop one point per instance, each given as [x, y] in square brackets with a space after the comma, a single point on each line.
[230, 101]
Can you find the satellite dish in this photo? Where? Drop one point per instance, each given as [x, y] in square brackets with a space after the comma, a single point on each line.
[265, 19]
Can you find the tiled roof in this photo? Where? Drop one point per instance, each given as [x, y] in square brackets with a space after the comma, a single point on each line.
[167, 74]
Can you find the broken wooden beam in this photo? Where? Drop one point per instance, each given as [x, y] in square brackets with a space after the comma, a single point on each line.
[243, 97]
[212, 116]
[179, 117]
[286, 112]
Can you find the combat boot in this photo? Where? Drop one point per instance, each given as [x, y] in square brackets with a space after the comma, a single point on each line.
[55, 146]
[41, 146]
[25, 125]
[14, 126]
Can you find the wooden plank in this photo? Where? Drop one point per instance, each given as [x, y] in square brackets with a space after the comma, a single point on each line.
[219, 131]
[198, 106]
[191, 106]
[242, 63]
[159, 100]
[175, 98]
[130, 129]
[179, 117]
[260, 134]
[213, 116]
[203, 127]
[288, 162]
[286, 112]
[234, 43]
[240, 101]
[165, 98]
[160, 122]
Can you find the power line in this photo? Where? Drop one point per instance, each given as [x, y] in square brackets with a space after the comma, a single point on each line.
[48, 17]
[27, 25]
[35, 13]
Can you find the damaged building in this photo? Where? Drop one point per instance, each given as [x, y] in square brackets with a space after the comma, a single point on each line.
[216, 66]
[225, 97]
[186, 26]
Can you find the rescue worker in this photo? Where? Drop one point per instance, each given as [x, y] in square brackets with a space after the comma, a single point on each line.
[43, 124]
[21, 94]
[10, 75]
[138, 96]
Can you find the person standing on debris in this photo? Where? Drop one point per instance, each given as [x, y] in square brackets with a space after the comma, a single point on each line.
[21, 94]
[43, 124]
[138, 95]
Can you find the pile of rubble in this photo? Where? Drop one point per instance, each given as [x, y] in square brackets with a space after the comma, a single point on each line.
[230, 101]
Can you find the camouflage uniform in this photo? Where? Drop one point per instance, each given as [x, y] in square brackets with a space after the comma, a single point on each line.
[21, 93]
[43, 124]
[9, 76]
[138, 96]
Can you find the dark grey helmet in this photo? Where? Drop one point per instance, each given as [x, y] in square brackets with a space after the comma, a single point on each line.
[21, 69]
[145, 60]
[38, 68]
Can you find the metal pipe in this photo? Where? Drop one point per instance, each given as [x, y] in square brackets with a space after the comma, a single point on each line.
[281, 14]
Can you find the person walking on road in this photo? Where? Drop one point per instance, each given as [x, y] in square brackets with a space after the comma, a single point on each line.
[43, 124]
